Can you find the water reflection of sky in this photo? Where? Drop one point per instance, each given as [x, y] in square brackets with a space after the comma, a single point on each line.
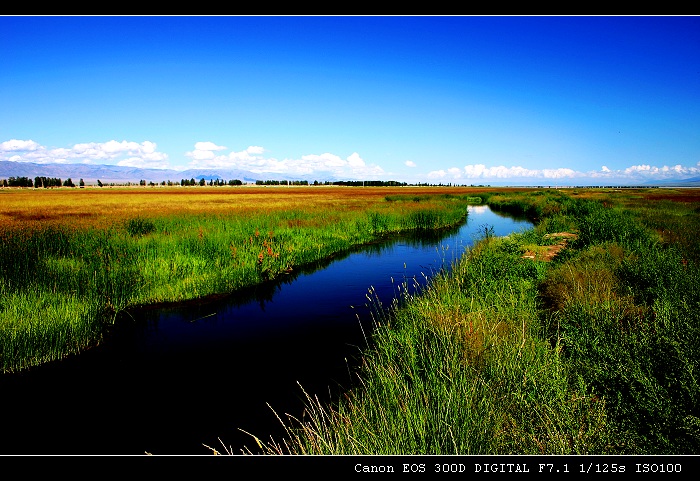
[477, 209]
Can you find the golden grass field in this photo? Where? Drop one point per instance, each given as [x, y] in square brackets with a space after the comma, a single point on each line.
[102, 207]
[95, 206]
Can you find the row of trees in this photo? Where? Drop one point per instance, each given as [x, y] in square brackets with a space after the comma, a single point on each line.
[370, 183]
[283, 182]
[47, 182]
[38, 182]
[354, 183]
[203, 181]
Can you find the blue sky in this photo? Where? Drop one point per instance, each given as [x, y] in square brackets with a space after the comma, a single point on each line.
[575, 100]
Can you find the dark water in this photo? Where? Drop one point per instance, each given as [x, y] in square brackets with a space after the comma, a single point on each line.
[170, 381]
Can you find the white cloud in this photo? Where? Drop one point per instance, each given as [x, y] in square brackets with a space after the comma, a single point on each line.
[410, 163]
[437, 174]
[254, 149]
[650, 172]
[203, 156]
[355, 161]
[323, 161]
[252, 159]
[208, 146]
[559, 173]
[147, 158]
[134, 154]
[18, 145]
[633, 174]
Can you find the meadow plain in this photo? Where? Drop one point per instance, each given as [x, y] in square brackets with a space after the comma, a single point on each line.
[577, 336]
[72, 259]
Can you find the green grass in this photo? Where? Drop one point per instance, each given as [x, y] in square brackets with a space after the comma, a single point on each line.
[592, 353]
[61, 288]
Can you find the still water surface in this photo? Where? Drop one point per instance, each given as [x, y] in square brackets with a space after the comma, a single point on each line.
[170, 381]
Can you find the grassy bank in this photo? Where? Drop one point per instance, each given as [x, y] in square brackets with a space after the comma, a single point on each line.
[592, 351]
[71, 260]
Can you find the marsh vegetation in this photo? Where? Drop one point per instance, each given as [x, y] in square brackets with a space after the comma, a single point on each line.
[577, 336]
[71, 261]
[592, 351]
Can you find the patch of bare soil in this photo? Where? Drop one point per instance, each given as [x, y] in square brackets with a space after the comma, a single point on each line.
[549, 252]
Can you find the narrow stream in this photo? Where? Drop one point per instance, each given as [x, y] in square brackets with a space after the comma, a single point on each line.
[173, 381]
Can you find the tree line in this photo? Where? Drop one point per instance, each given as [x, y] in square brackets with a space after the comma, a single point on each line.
[50, 182]
[203, 181]
[39, 182]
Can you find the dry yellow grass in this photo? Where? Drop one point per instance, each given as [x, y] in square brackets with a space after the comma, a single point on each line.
[96, 207]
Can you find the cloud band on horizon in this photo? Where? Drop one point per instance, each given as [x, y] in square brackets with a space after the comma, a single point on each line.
[209, 155]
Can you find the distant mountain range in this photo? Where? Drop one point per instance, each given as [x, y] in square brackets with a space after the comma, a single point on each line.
[120, 175]
[691, 182]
